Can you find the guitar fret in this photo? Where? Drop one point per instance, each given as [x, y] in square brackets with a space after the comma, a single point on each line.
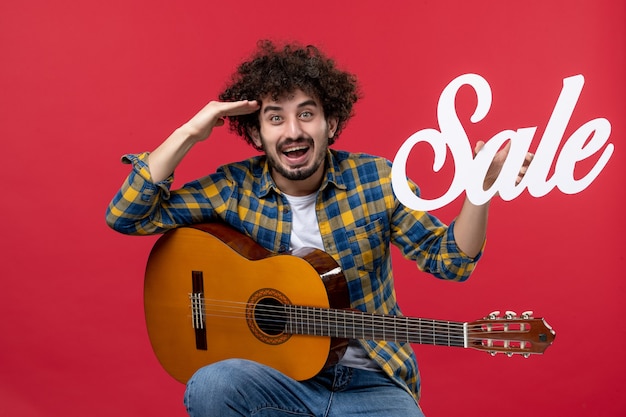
[432, 323]
[319, 323]
[418, 325]
[406, 330]
[373, 326]
[437, 336]
[427, 332]
[383, 326]
[330, 324]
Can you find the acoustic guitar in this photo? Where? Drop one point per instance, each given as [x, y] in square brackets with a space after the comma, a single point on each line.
[212, 293]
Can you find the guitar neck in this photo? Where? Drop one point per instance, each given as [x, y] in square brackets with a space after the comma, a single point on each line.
[351, 324]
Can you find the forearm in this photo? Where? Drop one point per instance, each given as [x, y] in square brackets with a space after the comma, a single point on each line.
[471, 224]
[470, 228]
[163, 160]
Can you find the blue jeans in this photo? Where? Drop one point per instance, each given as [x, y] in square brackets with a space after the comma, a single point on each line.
[237, 387]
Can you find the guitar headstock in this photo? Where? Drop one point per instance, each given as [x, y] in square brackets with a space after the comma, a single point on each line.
[510, 334]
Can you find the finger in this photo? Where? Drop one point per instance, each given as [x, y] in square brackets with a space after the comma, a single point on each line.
[238, 108]
[505, 150]
[479, 145]
[528, 159]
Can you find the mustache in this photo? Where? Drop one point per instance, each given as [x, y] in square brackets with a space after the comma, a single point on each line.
[301, 140]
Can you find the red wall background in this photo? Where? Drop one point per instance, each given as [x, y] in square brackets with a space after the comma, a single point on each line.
[83, 82]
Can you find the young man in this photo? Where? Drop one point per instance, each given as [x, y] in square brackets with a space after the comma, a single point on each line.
[291, 103]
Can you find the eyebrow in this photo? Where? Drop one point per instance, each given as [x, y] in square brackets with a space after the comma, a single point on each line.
[305, 103]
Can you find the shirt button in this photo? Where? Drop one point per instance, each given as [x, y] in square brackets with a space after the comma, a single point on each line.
[282, 249]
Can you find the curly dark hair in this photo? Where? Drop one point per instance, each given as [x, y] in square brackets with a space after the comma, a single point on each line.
[275, 72]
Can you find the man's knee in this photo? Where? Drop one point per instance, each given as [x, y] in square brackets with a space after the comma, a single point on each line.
[217, 387]
[221, 377]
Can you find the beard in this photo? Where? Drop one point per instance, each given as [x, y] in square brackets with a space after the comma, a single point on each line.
[296, 173]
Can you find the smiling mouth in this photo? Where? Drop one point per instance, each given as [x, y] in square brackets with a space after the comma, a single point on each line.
[295, 151]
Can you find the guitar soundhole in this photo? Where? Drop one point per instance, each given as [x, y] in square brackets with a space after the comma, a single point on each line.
[269, 314]
[266, 316]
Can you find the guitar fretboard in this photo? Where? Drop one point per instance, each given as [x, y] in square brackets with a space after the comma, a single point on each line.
[349, 324]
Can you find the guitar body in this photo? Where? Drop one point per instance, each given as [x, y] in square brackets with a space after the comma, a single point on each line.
[225, 268]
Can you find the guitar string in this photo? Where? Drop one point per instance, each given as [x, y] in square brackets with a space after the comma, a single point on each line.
[322, 318]
[354, 322]
[320, 311]
[412, 335]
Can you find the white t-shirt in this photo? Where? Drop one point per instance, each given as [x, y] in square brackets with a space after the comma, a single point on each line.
[305, 232]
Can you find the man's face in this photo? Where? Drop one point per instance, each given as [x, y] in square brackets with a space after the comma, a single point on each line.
[294, 134]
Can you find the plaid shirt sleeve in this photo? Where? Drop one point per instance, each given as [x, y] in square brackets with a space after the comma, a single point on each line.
[129, 211]
[142, 207]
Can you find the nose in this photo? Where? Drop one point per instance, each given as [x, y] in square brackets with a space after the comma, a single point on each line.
[293, 128]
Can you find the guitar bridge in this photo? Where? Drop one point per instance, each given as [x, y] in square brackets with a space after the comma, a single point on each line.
[197, 309]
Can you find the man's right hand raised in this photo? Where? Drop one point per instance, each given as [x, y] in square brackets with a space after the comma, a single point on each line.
[164, 159]
[212, 115]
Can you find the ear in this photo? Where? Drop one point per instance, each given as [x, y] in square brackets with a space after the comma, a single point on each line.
[253, 132]
[332, 126]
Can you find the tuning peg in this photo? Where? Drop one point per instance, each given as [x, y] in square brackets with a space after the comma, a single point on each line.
[526, 355]
[493, 353]
[509, 354]
[510, 314]
[493, 315]
[527, 315]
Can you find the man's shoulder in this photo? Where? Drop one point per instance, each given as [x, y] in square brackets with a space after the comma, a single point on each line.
[358, 170]
[342, 155]
[254, 164]
[347, 159]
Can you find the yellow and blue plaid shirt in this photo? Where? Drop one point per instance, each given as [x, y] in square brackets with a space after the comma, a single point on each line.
[358, 214]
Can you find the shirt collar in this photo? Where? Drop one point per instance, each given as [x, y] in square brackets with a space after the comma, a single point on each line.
[333, 172]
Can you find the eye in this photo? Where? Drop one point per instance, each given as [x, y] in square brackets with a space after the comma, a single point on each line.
[275, 118]
[306, 114]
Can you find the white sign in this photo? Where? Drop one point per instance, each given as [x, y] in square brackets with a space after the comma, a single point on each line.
[470, 171]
